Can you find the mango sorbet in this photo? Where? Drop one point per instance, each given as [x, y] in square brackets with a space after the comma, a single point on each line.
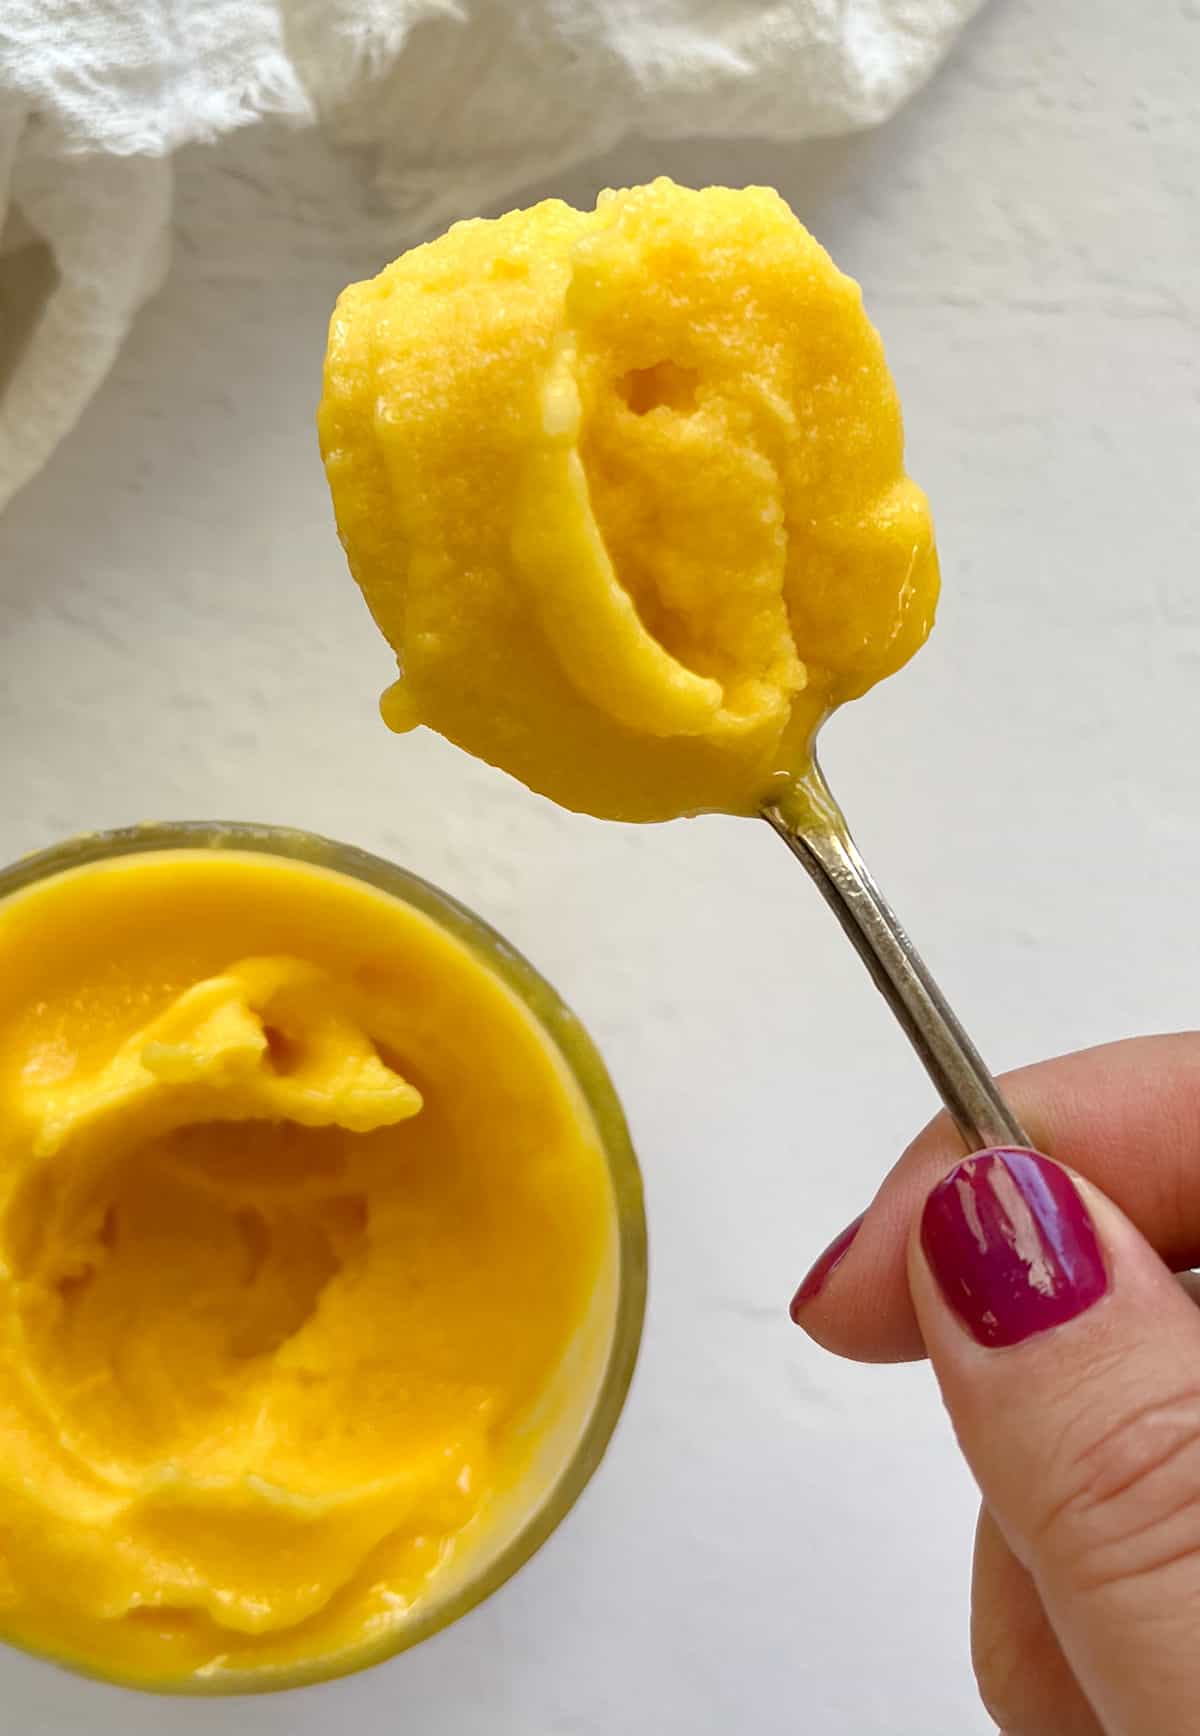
[307, 1267]
[625, 491]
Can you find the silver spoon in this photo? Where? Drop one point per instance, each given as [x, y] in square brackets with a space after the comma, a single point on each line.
[812, 826]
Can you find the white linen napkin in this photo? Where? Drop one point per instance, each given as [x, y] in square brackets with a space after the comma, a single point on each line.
[458, 102]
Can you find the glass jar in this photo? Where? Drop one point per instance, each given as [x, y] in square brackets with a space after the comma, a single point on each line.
[576, 1442]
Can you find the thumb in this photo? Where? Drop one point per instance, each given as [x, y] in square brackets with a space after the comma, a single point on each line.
[1069, 1360]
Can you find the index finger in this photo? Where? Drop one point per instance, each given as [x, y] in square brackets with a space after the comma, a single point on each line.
[1125, 1115]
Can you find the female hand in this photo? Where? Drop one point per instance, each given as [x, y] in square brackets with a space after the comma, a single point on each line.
[1069, 1361]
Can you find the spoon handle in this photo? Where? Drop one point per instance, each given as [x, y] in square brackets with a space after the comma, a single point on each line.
[811, 824]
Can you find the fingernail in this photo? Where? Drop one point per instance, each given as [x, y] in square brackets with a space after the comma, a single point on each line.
[1011, 1245]
[829, 1261]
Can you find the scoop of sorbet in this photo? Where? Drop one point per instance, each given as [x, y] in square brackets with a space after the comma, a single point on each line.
[624, 490]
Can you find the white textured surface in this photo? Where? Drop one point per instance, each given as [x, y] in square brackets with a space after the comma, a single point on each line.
[777, 1543]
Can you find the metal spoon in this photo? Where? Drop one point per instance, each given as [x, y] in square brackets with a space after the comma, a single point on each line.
[811, 824]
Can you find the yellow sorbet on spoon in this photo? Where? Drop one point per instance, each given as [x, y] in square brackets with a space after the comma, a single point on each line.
[624, 489]
[308, 1269]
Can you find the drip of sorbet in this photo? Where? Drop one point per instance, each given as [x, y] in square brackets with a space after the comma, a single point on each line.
[303, 1224]
[624, 489]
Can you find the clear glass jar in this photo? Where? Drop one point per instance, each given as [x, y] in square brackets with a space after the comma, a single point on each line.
[573, 1449]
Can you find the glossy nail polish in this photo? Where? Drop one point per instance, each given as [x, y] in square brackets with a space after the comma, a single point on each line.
[828, 1262]
[1010, 1242]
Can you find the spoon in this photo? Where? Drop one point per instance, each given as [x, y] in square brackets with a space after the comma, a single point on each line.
[811, 824]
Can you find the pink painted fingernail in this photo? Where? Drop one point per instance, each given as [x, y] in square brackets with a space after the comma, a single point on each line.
[1012, 1247]
[828, 1263]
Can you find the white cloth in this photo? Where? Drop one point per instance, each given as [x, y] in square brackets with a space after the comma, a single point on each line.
[458, 102]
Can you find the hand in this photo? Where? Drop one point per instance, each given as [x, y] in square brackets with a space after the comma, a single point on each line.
[1069, 1361]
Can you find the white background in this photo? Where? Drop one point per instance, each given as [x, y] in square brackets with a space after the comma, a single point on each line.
[777, 1543]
